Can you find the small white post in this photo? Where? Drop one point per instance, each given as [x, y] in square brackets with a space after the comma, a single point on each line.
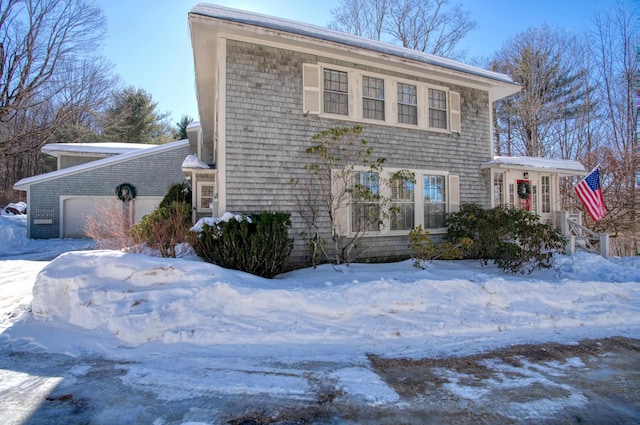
[571, 245]
[604, 245]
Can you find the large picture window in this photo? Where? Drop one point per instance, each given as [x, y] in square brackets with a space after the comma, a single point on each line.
[336, 92]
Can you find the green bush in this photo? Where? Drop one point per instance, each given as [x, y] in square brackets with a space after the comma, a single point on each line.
[164, 228]
[513, 238]
[424, 249]
[178, 192]
[258, 244]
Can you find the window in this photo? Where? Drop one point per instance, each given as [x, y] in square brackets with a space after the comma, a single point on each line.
[328, 89]
[434, 201]
[402, 204]
[546, 194]
[407, 104]
[365, 195]
[437, 109]
[336, 92]
[206, 196]
[373, 98]
[498, 189]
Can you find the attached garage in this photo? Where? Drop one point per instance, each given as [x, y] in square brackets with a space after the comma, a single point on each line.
[59, 203]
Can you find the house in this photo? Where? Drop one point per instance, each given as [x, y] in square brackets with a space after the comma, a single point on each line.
[266, 86]
[60, 202]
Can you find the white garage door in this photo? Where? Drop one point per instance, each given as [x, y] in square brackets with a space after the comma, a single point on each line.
[143, 205]
[77, 210]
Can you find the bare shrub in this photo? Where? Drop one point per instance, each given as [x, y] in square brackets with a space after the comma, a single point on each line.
[108, 225]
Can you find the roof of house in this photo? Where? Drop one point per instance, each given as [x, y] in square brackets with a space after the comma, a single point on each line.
[560, 166]
[132, 154]
[299, 28]
[109, 148]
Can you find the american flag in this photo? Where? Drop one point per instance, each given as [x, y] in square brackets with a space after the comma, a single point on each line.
[590, 194]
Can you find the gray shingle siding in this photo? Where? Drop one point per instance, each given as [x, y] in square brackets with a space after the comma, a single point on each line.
[151, 175]
[267, 135]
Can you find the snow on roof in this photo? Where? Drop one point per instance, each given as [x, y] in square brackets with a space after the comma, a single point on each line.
[137, 153]
[563, 166]
[280, 24]
[192, 161]
[193, 125]
[55, 149]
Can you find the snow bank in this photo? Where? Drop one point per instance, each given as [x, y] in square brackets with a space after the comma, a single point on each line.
[132, 300]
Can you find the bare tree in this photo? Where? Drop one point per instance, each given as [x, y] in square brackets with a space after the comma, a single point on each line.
[430, 26]
[613, 43]
[47, 73]
[360, 17]
[548, 65]
[36, 39]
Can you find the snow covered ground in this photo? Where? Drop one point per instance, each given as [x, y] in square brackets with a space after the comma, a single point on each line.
[246, 334]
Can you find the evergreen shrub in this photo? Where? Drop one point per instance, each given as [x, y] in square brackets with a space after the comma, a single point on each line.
[258, 244]
[513, 238]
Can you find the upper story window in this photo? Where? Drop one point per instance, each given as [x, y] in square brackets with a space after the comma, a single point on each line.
[336, 92]
[342, 93]
[437, 108]
[407, 104]
[373, 98]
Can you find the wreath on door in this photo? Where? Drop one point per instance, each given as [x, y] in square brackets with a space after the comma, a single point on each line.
[524, 190]
[126, 192]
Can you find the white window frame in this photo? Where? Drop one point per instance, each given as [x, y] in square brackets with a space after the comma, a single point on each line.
[313, 98]
[199, 197]
[451, 194]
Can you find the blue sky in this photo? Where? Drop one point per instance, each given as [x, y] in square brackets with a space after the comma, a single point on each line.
[148, 40]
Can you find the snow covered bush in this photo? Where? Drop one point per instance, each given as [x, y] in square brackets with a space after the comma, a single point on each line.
[513, 238]
[258, 244]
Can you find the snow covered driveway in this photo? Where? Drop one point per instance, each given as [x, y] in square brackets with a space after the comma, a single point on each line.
[118, 338]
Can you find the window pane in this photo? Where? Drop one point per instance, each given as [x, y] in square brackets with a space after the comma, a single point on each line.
[336, 92]
[206, 196]
[546, 194]
[373, 98]
[365, 205]
[407, 104]
[434, 201]
[437, 108]
[498, 188]
[402, 205]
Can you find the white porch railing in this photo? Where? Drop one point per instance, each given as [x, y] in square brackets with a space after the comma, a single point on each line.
[579, 237]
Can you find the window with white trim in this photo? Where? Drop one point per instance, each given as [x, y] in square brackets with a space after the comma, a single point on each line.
[437, 109]
[402, 204]
[354, 95]
[498, 189]
[365, 205]
[434, 201]
[373, 98]
[546, 194]
[206, 195]
[421, 200]
[336, 92]
[407, 104]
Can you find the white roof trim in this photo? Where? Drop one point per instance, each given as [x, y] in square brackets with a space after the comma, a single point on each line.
[308, 30]
[138, 153]
[109, 148]
[560, 166]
